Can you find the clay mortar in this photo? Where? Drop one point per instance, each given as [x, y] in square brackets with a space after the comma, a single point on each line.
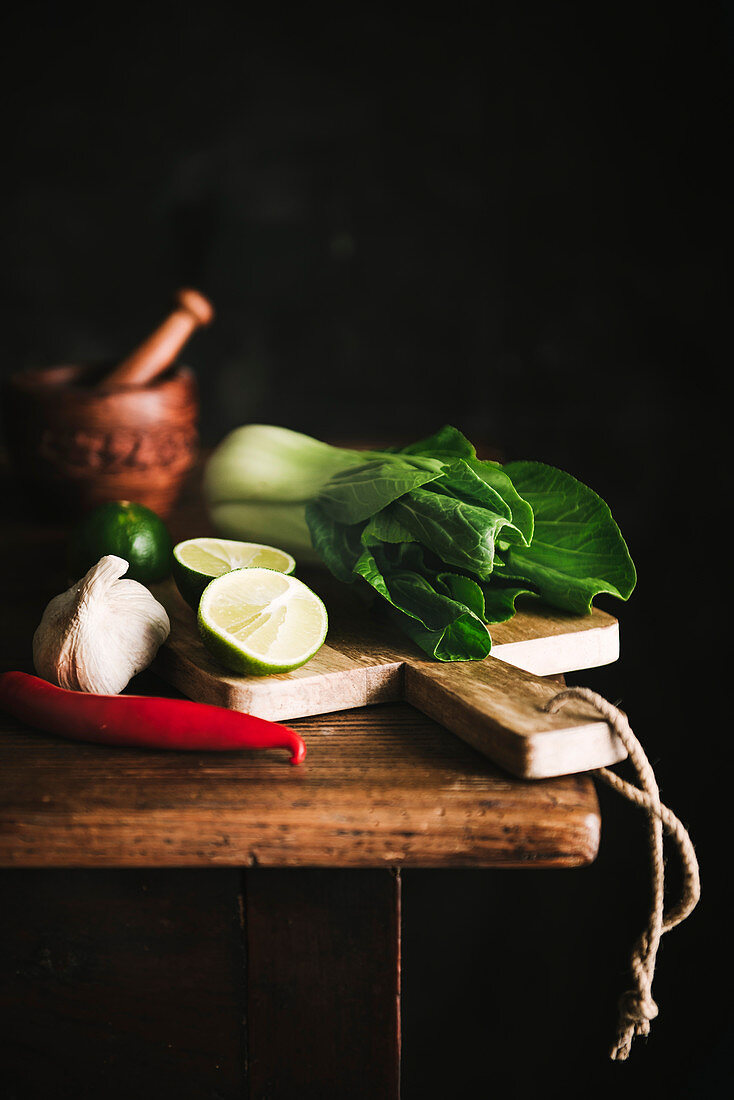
[75, 445]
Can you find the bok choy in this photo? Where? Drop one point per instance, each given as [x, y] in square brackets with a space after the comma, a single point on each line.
[446, 541]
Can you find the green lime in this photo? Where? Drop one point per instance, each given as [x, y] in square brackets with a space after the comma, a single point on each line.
[257, 621]
[131, 531]
[198, 561]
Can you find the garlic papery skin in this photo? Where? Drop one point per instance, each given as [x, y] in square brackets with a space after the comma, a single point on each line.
[101, 632]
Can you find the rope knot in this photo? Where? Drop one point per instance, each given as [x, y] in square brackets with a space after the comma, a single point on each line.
[637, 1007]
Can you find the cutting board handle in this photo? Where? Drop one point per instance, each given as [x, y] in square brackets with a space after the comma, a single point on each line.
[499, 710]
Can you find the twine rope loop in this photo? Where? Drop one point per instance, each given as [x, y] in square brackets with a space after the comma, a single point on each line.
[637, 1007]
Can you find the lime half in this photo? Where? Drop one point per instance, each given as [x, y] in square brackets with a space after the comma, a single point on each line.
[197, 561]
[257, 621]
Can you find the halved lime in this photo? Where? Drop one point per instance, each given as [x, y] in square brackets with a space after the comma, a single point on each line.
[197, 561]
[257, 621]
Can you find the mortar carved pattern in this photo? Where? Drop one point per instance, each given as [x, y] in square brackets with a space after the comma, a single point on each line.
[120, 449]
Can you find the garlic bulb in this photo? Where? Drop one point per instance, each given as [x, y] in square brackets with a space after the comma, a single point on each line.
[101, 632]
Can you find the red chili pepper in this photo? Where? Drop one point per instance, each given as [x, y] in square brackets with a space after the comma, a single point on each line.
[139, 720]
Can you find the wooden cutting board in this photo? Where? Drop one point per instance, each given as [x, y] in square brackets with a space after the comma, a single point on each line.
[496, 705]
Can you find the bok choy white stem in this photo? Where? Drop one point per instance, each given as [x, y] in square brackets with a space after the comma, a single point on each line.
[259, 479]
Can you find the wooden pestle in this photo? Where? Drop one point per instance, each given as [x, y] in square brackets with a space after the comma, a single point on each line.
[162, 347]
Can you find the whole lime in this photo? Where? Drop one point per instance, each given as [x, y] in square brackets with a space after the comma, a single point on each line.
[130, 531]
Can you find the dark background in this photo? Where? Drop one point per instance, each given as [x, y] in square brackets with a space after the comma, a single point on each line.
[510, 218]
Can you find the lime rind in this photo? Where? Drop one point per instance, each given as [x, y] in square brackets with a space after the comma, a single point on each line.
[215, 557]
[124, 529]
[230, 649]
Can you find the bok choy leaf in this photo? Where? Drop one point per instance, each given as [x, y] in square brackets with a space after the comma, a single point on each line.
[444, 541]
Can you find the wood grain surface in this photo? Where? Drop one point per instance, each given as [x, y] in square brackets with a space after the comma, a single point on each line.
[495, 706]
[323, 986]
[206, 983]
[381, 786]
[188, 983]
[119, 984]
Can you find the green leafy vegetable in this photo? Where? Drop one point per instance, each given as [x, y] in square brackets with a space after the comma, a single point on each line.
[577, 551]
[445, 541]
[356, 494]
[429, 607]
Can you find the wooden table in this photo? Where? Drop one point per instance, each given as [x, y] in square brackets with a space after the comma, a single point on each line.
[266, 960]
